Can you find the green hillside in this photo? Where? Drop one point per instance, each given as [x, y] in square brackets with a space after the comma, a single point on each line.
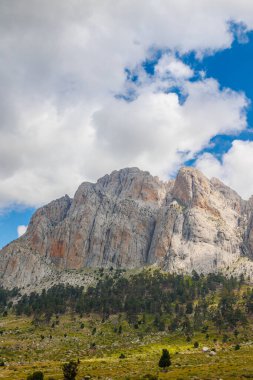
[118, 328]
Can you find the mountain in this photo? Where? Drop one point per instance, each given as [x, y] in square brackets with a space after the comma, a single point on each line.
[130, 219]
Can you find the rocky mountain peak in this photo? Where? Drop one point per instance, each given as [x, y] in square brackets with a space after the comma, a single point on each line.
[133, 183]
[191, 187]
[130, 219]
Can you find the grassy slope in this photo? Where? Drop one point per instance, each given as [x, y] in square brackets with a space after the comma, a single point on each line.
[25, 351]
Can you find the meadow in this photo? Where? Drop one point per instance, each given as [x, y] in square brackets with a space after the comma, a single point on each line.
[28, 345]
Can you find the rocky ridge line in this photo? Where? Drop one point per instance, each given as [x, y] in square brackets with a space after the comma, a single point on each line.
[130, 219]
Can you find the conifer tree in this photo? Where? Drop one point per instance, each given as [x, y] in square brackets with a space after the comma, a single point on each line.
[165, 361]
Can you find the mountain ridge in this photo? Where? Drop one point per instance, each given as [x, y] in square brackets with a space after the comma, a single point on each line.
[130, 219]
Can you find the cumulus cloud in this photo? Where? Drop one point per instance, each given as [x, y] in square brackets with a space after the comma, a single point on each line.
[62, 63]
[157, 132]
[21, 230]
[235, 169]
[169, 66]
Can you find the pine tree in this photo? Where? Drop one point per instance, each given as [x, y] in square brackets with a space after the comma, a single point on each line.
[165, 361]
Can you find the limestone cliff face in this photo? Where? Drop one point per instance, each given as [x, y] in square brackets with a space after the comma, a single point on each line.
[107, 223]
[129, 219]
[199, 228]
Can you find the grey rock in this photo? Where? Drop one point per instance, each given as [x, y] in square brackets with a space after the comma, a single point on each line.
[130, 219]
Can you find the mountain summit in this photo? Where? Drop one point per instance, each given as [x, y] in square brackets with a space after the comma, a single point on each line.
[130, 219]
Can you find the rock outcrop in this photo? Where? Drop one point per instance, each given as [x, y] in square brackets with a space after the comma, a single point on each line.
[130, 219]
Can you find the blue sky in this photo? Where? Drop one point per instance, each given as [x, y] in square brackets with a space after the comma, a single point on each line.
[9, 222]
[86, 98]
[233, 69]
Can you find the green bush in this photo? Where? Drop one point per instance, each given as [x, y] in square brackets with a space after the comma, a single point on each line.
[38, 375]
[70, 370]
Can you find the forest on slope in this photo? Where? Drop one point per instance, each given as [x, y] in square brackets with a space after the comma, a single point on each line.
[176, 302]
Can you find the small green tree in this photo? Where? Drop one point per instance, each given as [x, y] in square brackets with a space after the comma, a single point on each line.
[165, 361]
[189, 308]
[70, 370]
[38, 375]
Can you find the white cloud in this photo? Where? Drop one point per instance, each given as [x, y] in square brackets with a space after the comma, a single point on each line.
[235, 169]
[21, 230]
[63, 62]
[157, 132]
[169, 66]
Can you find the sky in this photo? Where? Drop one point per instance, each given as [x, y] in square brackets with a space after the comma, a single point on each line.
[88, 87]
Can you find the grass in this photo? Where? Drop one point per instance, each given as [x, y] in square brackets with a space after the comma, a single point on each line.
[26, 347]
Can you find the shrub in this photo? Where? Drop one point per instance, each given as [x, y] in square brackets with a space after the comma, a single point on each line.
[70, 370]
[38, 375]
[237, 347]
[204, 329]
[122, 356]
[150, 377]
[196, 344]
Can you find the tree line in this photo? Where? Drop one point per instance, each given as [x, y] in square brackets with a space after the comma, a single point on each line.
[187, 302]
